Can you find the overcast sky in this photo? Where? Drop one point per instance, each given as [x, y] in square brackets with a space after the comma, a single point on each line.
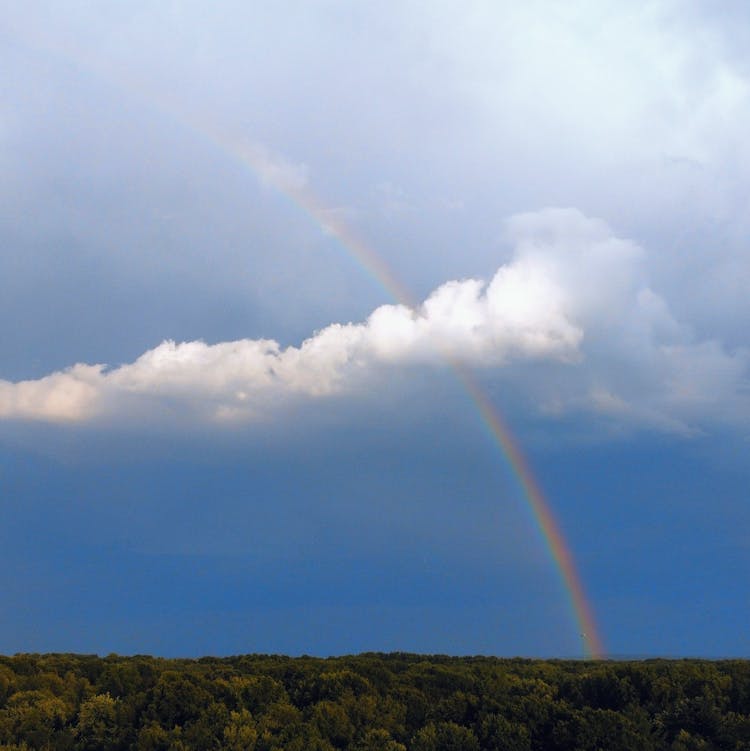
[222, 429]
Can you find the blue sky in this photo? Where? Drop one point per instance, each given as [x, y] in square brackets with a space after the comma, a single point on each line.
[220, 433]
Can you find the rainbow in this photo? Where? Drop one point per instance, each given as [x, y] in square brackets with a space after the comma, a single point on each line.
[329, 222]
[266, 169]
[540, 510]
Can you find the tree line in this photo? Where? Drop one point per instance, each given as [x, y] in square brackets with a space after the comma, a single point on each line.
[371, 702]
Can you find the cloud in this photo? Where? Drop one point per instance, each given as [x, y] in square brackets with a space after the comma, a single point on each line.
[67, 396]
[574, 299]
[639, 364]
[635, 113]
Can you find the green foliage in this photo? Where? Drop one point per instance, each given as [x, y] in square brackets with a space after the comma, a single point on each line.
[176, 699]
[445, 736]
[378, 739]
[98, 728]
[496, 733]
[394, 702]
[240, 732]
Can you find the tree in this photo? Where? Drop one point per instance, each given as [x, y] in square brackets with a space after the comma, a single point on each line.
[97, 728]
[240, 733]
[177, 699]
[378, 739]
[445, 736]
[499, 734]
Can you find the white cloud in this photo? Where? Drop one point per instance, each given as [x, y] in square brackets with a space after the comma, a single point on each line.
[574, 299]
[67, 396]
[639, 365]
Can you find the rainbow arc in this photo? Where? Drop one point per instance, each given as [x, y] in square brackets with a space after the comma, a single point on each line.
[499, 432]
[295, 188]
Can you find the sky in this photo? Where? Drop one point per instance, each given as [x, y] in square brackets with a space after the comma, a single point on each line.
[256, 263]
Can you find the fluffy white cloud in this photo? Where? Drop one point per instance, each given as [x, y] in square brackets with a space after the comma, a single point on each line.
[71, 395]
[574, 296]
[639, 364]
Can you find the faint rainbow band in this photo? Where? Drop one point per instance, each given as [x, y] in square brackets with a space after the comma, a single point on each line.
[375, 267]
[372, 263]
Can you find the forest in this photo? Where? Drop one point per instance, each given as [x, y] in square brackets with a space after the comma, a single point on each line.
[369, 702]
